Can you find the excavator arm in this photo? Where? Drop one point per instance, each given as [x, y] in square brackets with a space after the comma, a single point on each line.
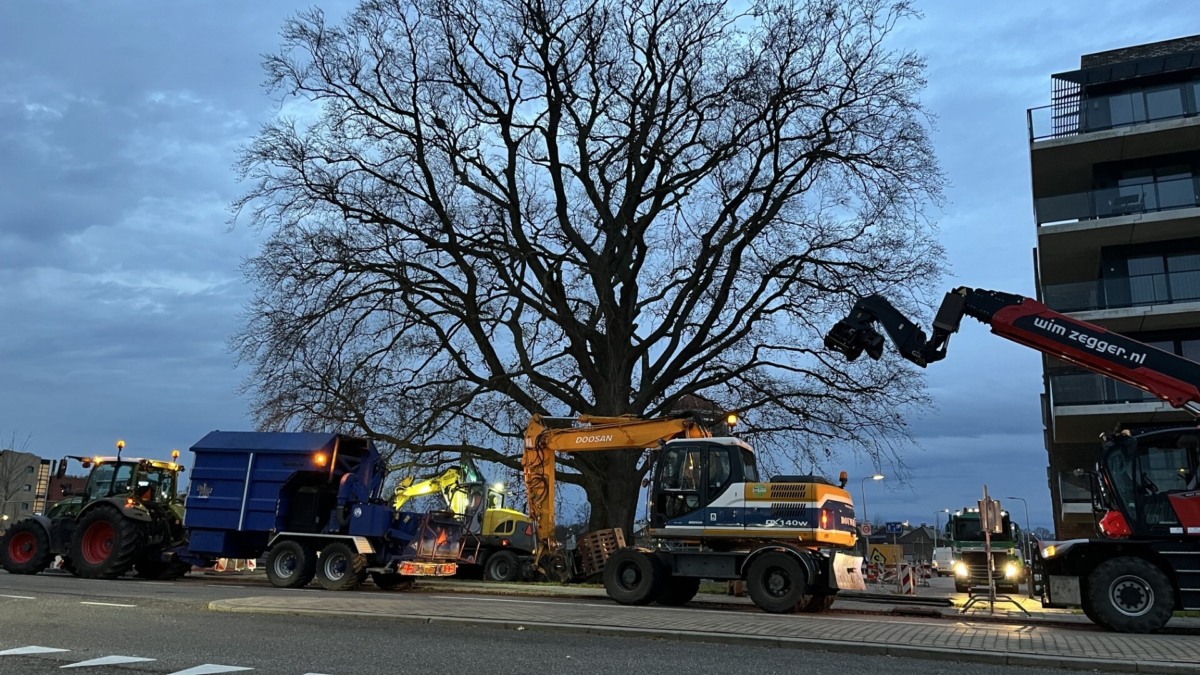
[1167, 376]
[545, 436]
[441, 483]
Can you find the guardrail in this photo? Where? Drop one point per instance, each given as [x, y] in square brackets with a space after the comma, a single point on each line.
[1122, 292]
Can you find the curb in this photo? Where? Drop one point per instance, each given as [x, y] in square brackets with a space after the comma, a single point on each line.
[835, 646]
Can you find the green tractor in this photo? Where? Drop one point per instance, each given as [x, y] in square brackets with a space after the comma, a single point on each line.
[128, 518]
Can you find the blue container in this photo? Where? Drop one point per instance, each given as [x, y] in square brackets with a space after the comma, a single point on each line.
[233, 499]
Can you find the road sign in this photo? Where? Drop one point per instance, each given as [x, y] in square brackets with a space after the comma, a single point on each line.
[866, 529]
[895, 528]
[885, 554]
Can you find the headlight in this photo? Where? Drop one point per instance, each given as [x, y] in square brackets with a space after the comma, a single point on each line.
[960, 569]
[1010, 571]
[1049, 551]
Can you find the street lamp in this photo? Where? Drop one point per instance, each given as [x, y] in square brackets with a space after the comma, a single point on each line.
[936, 527]
[863, 487]
[1028, 556]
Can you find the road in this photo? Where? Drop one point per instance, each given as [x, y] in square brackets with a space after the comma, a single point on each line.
[168, 622]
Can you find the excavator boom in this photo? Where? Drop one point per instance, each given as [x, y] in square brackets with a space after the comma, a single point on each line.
[1167, 376]
[545, 436]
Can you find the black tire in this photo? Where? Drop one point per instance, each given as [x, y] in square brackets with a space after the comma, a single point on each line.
[633, 577]
[341, 568]
[155, 568]
[25, 548]
[1130, 595]
[1090, 612]
[392, 581]
[778, 583]
[819, 603]
[678, 591]
[291, 564]
[106, 544]
[502, 566]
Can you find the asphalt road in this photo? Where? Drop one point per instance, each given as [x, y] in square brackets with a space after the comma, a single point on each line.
[168, 622]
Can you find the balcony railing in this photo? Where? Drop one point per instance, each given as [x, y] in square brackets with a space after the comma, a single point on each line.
[1122, 292]
[1119, 201]
[1109, 112]
[1092, 389]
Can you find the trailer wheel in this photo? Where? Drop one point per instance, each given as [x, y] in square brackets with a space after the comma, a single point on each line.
[391, 581]
[678, 591]
[25, 548]
[1130, 595]
[502, 566]
[341, 568]
[777, 583]
[105, 544]
[291, 564]
[633, 577]
[819, 603]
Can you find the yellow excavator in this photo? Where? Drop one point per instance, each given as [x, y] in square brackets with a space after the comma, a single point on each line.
[498, 541]
[711, 516]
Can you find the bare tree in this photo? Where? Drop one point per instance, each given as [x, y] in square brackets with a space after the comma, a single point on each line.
[482, 209]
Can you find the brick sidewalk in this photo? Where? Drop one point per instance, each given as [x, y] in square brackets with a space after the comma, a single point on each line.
[1105, 650]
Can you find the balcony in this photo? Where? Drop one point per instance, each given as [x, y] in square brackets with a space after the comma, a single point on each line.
[1123, 292]
[1126, 200]
[1072, 389]
[1102, 113]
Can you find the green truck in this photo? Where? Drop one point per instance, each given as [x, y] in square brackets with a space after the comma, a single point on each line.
[965, 537]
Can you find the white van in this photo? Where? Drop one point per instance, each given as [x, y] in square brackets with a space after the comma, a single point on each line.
[943, 561]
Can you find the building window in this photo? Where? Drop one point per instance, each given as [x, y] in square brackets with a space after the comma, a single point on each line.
[29, 469]
[25, 506]
[27, 487]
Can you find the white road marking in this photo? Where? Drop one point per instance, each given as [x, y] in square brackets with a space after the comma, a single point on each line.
[210, 669]
[19, 597]
[107, 661]
[227, 586]
[105, 604]
[31, 650]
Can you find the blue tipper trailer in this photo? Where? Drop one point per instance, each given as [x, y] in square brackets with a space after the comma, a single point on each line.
[313, 503]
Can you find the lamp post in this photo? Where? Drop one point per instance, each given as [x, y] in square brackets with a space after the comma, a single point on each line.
[936, 527]
[863, 487]
[1028, 558]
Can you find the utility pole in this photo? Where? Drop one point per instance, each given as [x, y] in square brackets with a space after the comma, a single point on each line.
[863, 487]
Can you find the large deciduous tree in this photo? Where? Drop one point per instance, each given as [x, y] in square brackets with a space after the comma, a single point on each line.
[483, 209]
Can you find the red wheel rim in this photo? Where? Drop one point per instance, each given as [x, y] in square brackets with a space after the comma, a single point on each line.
[22, 547]
[98, 542]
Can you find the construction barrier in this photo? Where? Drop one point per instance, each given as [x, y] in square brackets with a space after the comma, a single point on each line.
[907, 583]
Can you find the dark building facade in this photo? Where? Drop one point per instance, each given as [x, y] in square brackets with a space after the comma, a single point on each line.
[1115, 165]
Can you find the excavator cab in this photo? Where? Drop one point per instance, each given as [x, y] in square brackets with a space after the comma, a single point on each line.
[691, 474]
[1150, 484]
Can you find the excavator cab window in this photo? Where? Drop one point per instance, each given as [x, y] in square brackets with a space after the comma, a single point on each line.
[680, 479]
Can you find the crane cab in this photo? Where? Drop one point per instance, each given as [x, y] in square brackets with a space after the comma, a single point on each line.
[710, 488]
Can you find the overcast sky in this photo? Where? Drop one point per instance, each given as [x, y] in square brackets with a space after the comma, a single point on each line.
[119, 278]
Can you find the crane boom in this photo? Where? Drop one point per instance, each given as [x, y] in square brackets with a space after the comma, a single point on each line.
[1169, 377]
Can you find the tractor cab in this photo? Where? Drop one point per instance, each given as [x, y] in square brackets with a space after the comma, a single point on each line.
[1149, 484]
[143, 481]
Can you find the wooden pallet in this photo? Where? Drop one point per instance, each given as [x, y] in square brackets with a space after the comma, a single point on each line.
[594, 548]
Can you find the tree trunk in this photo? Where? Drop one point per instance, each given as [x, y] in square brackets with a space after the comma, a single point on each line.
[612, 480]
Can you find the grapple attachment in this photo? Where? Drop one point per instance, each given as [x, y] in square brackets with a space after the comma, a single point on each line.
[852, 340]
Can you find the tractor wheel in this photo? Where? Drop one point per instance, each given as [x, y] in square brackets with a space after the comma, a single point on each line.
[777, 583]
[291, 564]
[392, 581]
[25, 548]
[678, 591]
[502, 566]
[1130, 595]
[341, 568]
[633, 577]
[105, 544]
[819, 604]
